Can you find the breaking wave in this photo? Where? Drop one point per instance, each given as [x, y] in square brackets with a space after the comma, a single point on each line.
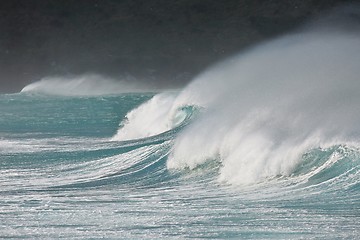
[84, 85]
[263, 109]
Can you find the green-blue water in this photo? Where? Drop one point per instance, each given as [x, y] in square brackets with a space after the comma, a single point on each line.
[265, 145]
[62, 175]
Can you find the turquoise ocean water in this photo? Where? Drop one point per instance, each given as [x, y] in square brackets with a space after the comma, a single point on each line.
[265, 145]
[62, 176]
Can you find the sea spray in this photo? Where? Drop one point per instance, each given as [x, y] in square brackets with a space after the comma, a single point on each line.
[60, 171]
[151, 118]
[85, 85]
[263, 109]
[272, 104]
[247, 120]
[159, 114]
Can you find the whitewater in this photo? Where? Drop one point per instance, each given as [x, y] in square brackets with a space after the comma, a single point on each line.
[264, 145]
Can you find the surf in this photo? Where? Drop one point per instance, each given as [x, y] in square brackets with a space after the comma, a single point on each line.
[86, 85]
[263, 110]
[263, 145]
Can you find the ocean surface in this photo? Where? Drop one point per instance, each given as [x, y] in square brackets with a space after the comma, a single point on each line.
[262, 146]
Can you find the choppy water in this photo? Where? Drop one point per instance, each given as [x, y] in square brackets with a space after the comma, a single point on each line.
[262, 146]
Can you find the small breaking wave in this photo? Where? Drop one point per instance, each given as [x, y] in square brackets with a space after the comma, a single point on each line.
[158, 115]
[84, 85]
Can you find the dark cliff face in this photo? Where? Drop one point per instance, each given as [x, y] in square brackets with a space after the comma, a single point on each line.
[166, 42]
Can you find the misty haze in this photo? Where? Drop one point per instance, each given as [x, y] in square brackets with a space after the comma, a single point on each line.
[179, 119]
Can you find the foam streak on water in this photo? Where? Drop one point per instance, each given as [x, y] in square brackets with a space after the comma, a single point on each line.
[264, 145]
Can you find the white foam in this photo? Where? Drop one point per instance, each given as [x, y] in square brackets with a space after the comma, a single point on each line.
[151, 118]
[266, 107]
[84, 85]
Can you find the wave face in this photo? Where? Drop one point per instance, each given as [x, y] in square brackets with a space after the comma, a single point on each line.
[272, 104]
[262, 146]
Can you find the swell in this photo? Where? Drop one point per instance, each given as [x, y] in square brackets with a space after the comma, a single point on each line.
[70, 164]
[143, 166]
[70, 168]
[279, 111]
[147, 157]
[45, 159]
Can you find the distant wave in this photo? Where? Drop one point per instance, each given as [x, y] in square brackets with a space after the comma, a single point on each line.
[84, 85]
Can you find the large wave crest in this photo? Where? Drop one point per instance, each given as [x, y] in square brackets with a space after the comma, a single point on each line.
[265, 108]
[272, 104]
